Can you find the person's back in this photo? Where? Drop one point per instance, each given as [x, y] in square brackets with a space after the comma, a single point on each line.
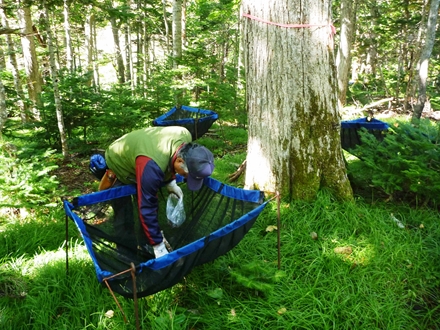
[157, 143]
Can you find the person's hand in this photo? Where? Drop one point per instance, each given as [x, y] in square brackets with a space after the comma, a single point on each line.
[160, 250]
[172, 187]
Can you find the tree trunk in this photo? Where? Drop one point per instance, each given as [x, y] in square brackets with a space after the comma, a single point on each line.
[165, 22]
[129, 70]
[184, 38]
[95, 55]
[411, 86]
[69, 48]
[3, 109]
[56, 92]
[34, 80]
[294, 142]
[14, 67]
[118, 53]
[146, 63]
[177, 46]
[140, 55]
[89, 42]
[424, 60]
[128, 59]
[346, 37]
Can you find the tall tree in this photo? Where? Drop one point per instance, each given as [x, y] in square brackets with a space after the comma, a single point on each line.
[294, 142]
[14, 66]
[90, 43]
[3, 108]
[69, 47]
[346, 36]
[177, 46]
[424, 59]
[54, 76]
[115, 24]
[34, 80]
[165, 21]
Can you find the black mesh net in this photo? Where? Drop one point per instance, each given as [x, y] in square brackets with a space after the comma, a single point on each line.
[118, 240]
[198, 123]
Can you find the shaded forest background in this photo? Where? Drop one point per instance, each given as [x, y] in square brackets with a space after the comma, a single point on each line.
[102, 68]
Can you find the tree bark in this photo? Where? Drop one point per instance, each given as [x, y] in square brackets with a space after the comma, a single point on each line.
[294, 142]
[177, 47]
[14, 67]
[424, 60]
[56, 92]
[3, 108]
[416, 51]
[118, 53]
[34, 80]
[69, 47]
[346, 37]
[89, 42]
[165, 22]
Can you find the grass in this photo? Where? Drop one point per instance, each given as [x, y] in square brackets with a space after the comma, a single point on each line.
[361, 271]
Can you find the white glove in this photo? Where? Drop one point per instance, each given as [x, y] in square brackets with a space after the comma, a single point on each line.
[172, 187]
[160, 250]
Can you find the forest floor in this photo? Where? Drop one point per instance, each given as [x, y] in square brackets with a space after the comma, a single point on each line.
[77, 177]
[388, 108]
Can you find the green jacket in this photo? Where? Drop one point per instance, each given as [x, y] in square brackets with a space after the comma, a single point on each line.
[157, 143]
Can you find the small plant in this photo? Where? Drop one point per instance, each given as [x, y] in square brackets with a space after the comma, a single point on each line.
[406, 163]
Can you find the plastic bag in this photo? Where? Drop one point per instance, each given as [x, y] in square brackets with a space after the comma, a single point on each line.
[175, 210]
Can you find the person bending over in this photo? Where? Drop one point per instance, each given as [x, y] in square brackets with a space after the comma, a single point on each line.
[151, 157]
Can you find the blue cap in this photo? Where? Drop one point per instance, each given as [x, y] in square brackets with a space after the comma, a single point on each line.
[200, 163]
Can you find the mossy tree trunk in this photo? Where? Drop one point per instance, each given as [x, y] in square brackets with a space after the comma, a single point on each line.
[294, 125]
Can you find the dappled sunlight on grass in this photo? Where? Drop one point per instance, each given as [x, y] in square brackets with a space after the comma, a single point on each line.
[78, 254]
[355, 253]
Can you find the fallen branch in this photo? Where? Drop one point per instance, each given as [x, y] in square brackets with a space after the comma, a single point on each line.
[234, 176]
[372, 105]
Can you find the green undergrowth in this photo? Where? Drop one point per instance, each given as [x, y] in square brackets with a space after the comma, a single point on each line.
[357, 265]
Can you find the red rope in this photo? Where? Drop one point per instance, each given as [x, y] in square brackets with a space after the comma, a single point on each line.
[333, 29]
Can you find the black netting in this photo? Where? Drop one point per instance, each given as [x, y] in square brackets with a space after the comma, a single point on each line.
[197, 122]
[118, 240]
[350, 137]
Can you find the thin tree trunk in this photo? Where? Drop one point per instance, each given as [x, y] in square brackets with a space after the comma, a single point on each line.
[3, 109]
[411, 87]
[14, 67]
[294, 142]
[146, 62]
[89, 42]
[56, 92]
[69, 48]
[165, 21]
[346, 37]
[184, 38]
[177, 46]
[140, 55]
[118, 53]
[95, 52]
[424, 60]
[129, 74]
[34, 80]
